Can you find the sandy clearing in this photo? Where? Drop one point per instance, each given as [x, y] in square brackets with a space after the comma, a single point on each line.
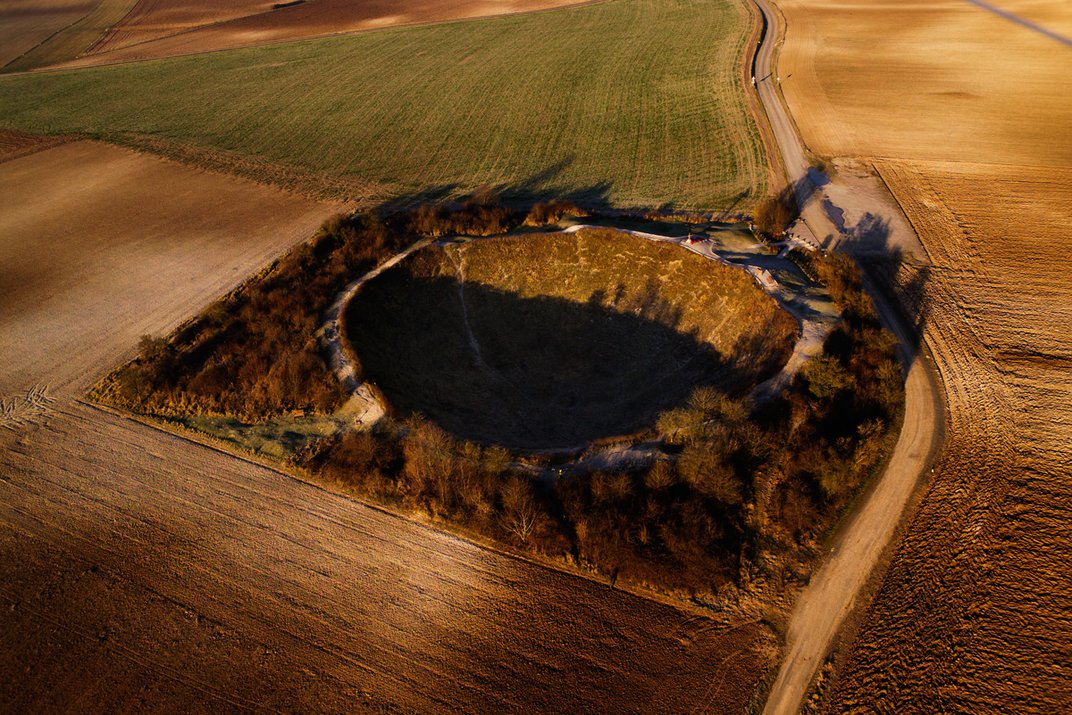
[101, 245]
[24, 24]
[164, 28]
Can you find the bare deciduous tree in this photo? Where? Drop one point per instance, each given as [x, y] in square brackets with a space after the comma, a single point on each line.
[520, 511]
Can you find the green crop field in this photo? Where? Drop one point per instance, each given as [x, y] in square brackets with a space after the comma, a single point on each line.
[632, 102]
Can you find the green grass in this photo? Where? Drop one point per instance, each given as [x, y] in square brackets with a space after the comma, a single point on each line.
[635, 102]
[277, 438]
[74, 39]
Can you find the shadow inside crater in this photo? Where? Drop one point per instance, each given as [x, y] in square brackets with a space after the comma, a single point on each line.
[537, 372]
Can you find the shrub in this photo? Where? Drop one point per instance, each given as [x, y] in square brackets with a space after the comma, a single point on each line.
[826, 377]
[480, 215]
[775, 213]
[546, 213]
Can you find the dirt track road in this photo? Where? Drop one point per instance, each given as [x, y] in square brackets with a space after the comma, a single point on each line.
[142, 572]
[832, 593]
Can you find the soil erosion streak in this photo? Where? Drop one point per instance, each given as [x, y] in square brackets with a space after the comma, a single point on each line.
[832, 593]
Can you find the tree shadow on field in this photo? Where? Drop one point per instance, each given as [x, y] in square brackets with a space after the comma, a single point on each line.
[546, 185]
[803, 190]
[531, 372]
[541, 186]
[429, 195]
[728, 213]
[899, 276]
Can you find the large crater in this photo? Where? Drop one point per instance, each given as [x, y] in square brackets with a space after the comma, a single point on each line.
[553, 340]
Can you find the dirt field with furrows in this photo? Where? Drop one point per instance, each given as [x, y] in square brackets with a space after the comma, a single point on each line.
[101, 245]
[141, 571]
[165, 28]
[936, 81]
[26, 23]
[964, 111]
[975, 613]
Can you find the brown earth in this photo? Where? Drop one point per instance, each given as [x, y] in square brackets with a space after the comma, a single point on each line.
[14, 144]
[165, 28]
[153, 19]
[101, 245]
[935, 81]
[964, 113]
[141, 571]
[975, 613]
[26, 23]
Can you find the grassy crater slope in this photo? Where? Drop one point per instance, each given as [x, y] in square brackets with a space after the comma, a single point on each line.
[554, 340]
[632, 102]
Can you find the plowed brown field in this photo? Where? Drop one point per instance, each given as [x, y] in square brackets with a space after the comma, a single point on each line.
[26, 23]
[975, 613]
[165, 28]
[140, 571]
[965, 113]
[100, 245]
[937, 81]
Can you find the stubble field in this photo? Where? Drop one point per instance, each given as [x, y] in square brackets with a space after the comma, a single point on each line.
[963, 113]
[931, 81]
[573, 102]
[101, 244]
